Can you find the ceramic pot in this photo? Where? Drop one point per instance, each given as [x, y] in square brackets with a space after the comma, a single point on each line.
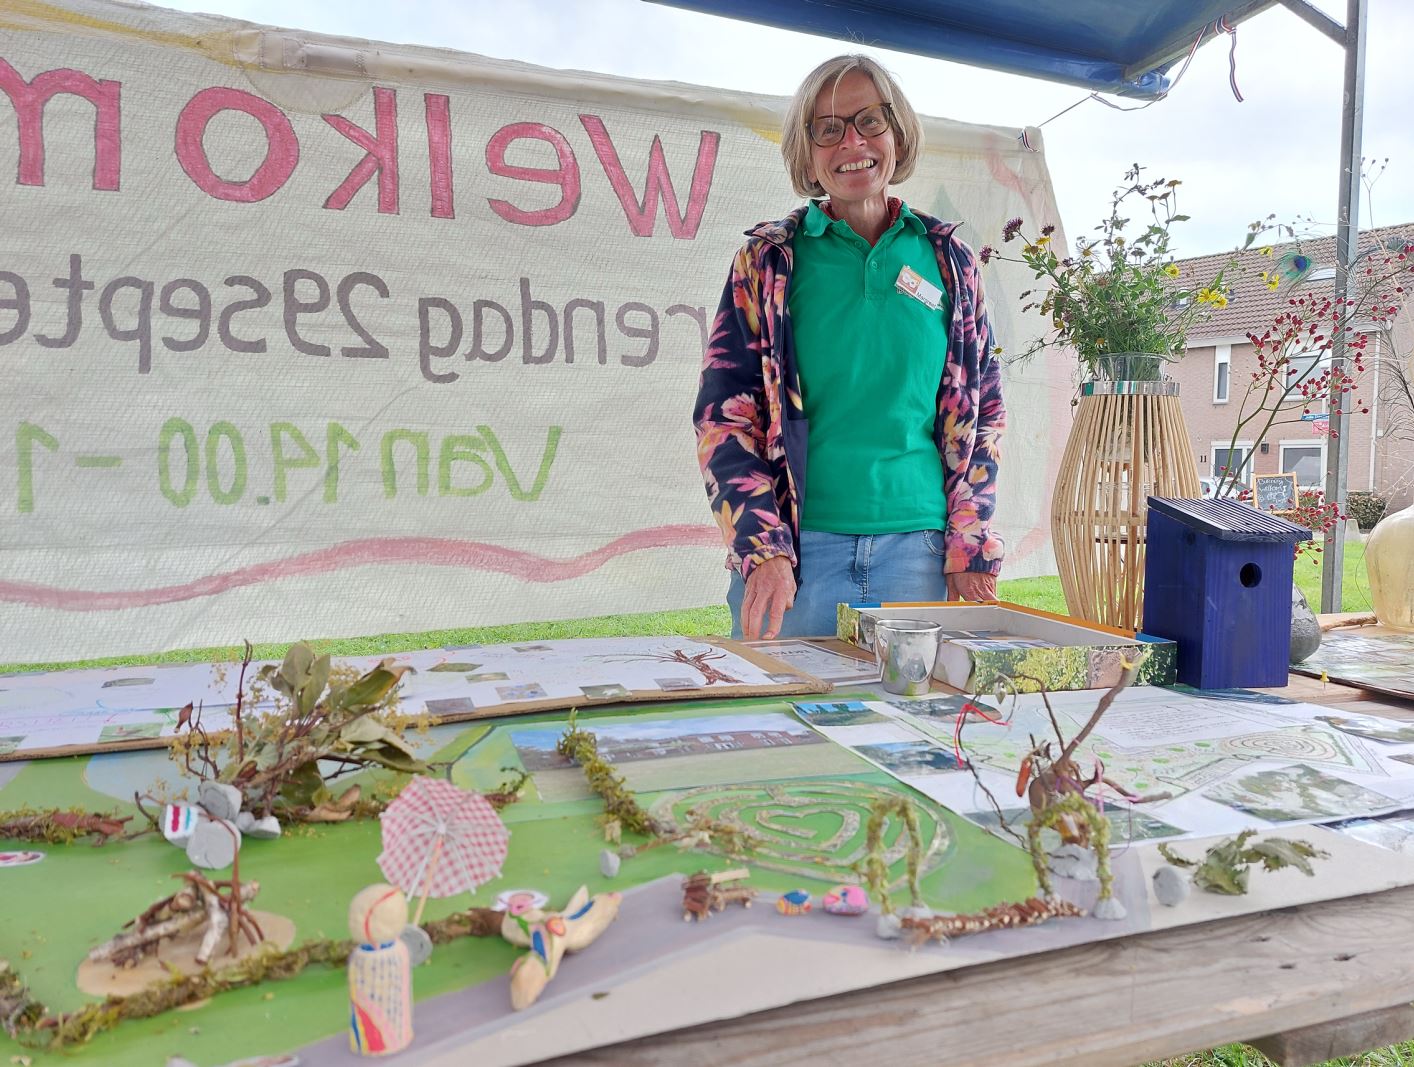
[1389, 562]
[1305, 628]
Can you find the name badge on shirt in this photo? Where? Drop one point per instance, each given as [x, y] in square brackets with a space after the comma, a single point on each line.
[911, 283]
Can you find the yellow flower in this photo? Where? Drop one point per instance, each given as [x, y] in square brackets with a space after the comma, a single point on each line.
[1087, 251]
[1273, 282]
[1219, 299]
[1267, 251]
[1171, 270]
[1042, 242]
[1216, 297]
[996, 350]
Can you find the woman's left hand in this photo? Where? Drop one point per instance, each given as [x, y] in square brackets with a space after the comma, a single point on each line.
[967, 585]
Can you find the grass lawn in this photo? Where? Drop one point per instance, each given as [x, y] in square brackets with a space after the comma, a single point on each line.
[1043, 593]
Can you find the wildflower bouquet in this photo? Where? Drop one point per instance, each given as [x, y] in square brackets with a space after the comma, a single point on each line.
[1120, 294]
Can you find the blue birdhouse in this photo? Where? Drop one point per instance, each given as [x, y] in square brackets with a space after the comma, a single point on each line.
[1217, 582]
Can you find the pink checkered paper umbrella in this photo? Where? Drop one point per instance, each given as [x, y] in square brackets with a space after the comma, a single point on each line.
[439, 840]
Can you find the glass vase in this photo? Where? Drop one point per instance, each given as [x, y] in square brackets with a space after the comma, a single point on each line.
[1132, 366]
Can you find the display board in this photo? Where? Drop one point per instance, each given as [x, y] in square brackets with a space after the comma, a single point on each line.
[805, 799]
[306, 336]
[62, 713]
[1375, 658]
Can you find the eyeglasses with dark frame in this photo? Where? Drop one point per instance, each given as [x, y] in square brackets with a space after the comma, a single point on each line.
[871, 121]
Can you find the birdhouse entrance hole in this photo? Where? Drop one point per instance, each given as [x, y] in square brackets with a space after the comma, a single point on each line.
[1250, 575]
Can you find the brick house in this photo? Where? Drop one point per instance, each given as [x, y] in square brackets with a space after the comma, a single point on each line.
[1219, 362]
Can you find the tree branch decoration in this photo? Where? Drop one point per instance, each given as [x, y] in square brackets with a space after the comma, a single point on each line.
[29, 1022]
[62, 827]
[1028, 912]
[620, 807]
[873, 868]
[1225, 866]
[1057, 792]
[321, 713]
[623, 812]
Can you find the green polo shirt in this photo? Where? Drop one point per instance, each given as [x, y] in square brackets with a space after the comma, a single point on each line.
[871, 361]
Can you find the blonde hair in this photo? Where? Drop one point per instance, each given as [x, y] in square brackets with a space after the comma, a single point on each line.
[796, 144]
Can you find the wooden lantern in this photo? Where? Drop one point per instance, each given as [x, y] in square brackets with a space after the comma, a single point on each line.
[1129, 443]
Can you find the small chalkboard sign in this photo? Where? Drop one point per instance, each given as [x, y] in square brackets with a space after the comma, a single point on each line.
[1274, 492]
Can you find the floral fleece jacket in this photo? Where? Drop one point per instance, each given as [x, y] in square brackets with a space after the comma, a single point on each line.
[751, 425]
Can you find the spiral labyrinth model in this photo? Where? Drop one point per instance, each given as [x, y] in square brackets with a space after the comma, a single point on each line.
[813, 828]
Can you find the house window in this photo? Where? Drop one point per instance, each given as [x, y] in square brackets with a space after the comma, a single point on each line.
[1222, 369]
[1233, 459]
[1306, 461]
[1304, 366]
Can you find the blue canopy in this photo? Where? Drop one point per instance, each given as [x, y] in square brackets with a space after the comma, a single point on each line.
[1115, 46]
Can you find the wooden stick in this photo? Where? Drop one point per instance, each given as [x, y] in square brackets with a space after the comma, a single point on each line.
[733, 875]
[432, 862]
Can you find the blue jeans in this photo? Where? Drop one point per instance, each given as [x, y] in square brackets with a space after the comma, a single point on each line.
[851, 569]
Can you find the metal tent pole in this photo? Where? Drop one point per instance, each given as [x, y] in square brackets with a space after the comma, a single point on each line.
[1338, 445]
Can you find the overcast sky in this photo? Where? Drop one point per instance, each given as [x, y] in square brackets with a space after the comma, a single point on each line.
[1276, 152]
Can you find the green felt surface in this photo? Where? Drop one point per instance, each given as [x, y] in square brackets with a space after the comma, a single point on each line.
[79, 896]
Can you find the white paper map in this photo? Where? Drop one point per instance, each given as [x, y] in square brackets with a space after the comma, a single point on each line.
[1228, 760]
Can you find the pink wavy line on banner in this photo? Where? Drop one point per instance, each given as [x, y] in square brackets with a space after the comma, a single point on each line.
[436, 551]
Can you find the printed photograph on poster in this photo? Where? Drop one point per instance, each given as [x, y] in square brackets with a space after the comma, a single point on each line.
[1394, 832]
[837, 713]
[603, 692]
[654, 740]
[1127, 824]
[938, 707]
[1389, 731]
[906, 758]
[1295, 794]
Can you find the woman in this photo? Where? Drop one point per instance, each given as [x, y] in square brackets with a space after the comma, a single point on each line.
[825, 327]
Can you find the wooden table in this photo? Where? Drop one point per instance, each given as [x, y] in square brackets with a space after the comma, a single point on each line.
[1303, 984]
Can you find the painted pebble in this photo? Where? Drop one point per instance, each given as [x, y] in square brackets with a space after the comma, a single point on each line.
[796, 902]
[178, 823]
[846, 900]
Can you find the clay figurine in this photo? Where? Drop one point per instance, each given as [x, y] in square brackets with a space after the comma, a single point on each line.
[549, 935]
[380, 973]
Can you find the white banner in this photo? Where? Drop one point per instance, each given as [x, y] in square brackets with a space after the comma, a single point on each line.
[303, 336]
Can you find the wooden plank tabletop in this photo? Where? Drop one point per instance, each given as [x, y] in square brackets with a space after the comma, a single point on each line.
[1305, 984]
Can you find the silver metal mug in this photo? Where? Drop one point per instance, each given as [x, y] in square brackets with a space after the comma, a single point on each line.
[906, 651]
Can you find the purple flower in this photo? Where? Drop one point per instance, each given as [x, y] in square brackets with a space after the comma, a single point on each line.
[987, 253]
[1011, 229]
[1047, 230]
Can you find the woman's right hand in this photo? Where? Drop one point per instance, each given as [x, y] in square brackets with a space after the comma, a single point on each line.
[770, 592]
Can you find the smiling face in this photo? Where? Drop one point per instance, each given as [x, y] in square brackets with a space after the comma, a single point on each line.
[858, 169]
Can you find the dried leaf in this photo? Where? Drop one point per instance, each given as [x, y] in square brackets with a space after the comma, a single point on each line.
[1274, 853]
[370, 689]
[1174, 858]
